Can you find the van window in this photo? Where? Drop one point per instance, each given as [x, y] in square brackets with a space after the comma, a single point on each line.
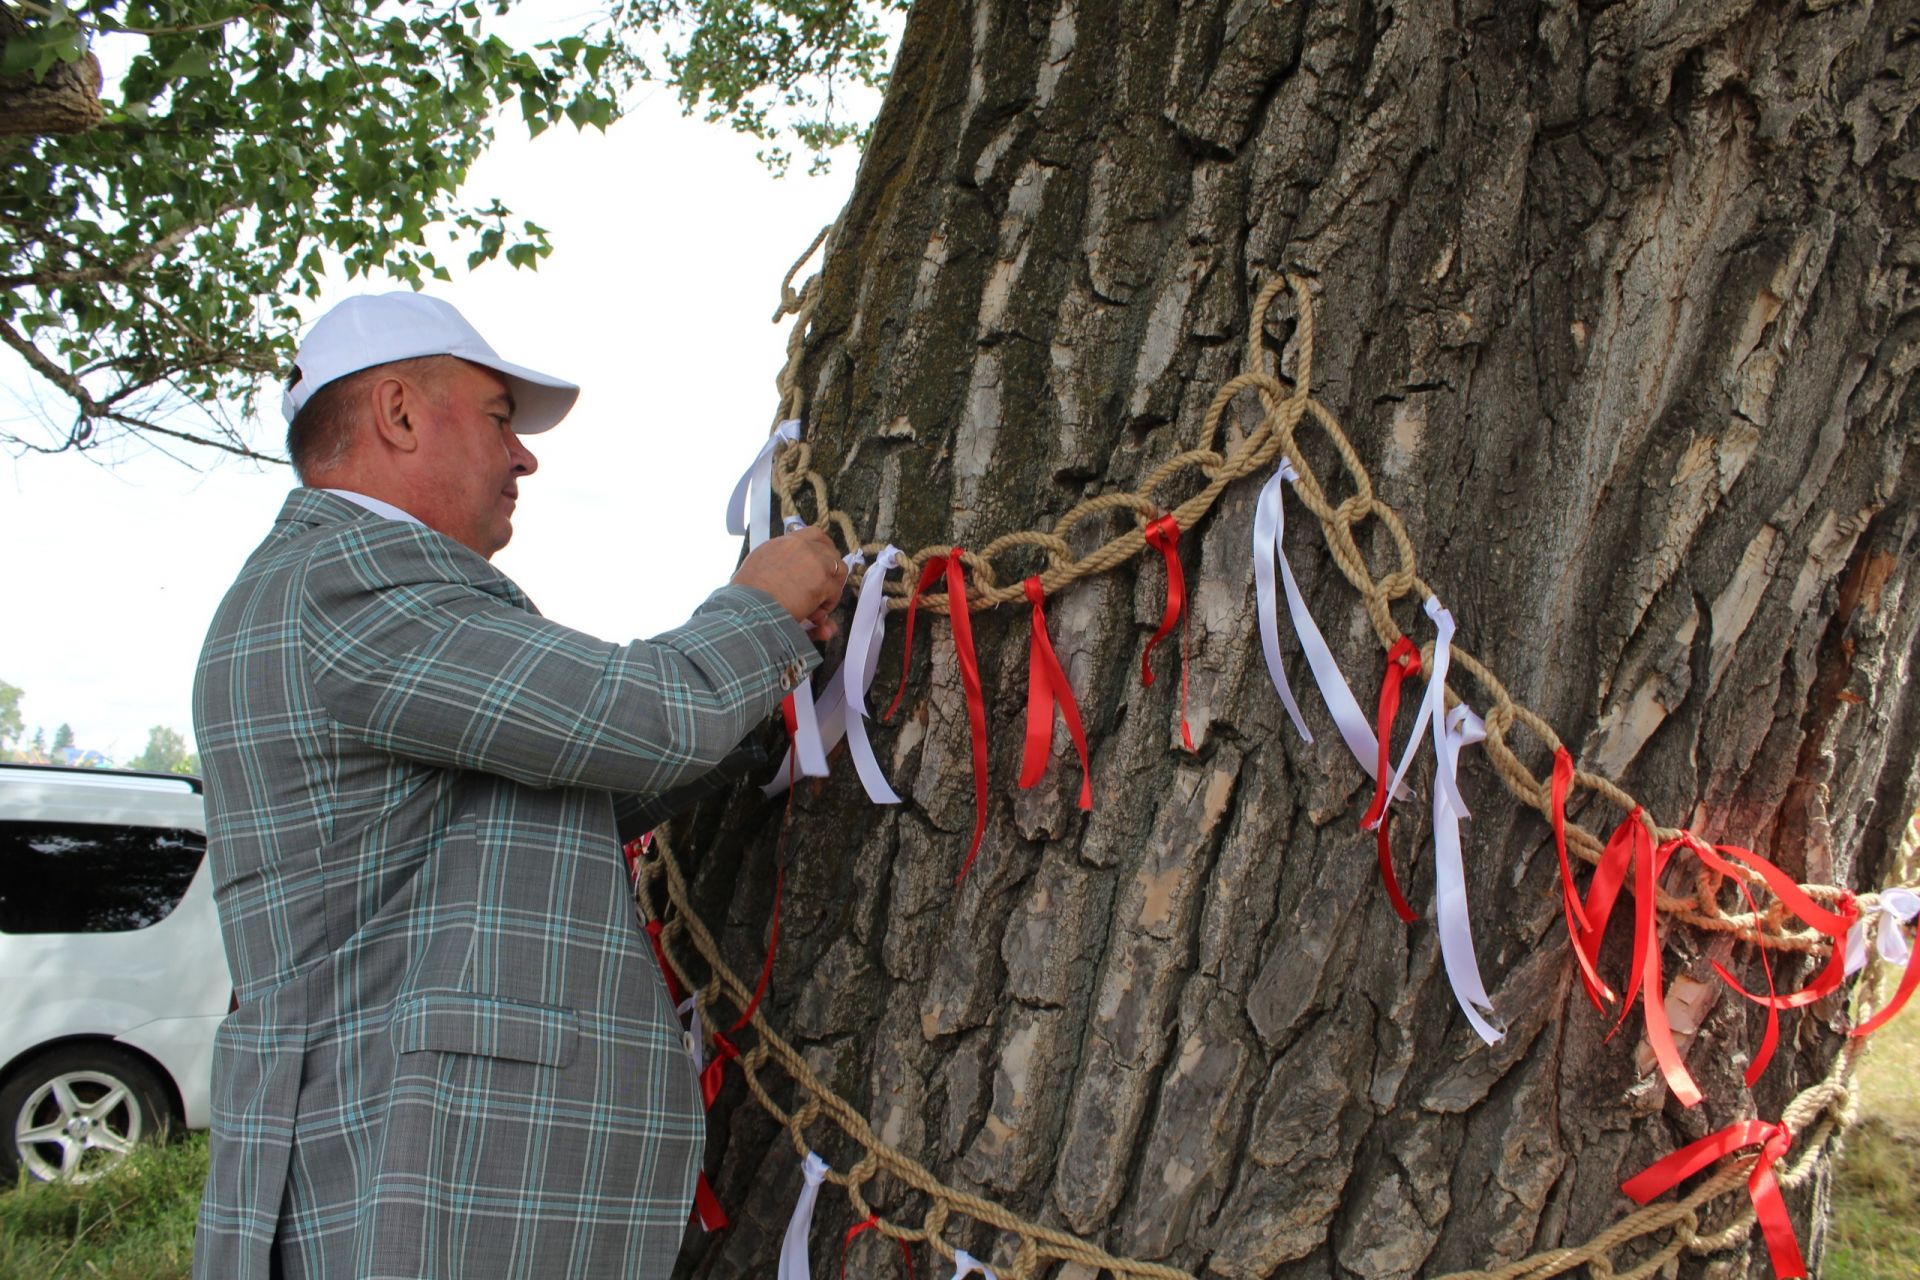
[73, 877]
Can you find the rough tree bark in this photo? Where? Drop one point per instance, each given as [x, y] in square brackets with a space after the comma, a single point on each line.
[1619, 304]
[66, 101]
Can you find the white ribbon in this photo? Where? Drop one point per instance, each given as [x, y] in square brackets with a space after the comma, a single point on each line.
[829, 721]
[965, 1264]
[1334, 690]
[793, 1247]
[1432, 704]
[696, 1035]
[1460, 728]
[755, 489]
[1896, 907]
[806, 745]
[1269, 527]
[868, 629]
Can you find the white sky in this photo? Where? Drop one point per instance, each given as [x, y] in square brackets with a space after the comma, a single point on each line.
[670, 239]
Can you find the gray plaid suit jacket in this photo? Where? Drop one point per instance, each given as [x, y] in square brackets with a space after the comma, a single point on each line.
[453, 1055]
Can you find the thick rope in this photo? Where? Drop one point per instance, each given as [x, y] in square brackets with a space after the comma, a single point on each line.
[1273, 438]
[1815, 1116]
[1038, 1244]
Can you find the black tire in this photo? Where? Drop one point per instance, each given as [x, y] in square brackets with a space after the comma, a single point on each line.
[74, 1112]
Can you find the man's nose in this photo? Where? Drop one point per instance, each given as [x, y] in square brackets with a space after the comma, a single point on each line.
[524, 463]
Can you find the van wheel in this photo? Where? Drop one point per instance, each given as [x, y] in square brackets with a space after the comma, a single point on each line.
[75, 1112]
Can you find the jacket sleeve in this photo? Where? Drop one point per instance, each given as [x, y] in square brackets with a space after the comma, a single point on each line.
[416, 646]
[635, 815]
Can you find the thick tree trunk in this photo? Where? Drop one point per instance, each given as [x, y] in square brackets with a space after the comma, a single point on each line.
[1618, 304]
[66, 101]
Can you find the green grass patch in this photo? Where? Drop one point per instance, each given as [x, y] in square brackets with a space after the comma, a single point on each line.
[1876, 1206]
[1876, 1187]
[134, 1223]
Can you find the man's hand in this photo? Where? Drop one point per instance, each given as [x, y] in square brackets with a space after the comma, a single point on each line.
[804, 572]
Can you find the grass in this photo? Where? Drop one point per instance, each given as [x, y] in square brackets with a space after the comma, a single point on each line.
[134, 1223]
[137, 1222]
[1875, 1233]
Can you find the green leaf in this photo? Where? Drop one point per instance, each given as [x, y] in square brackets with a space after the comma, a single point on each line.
[288, 138]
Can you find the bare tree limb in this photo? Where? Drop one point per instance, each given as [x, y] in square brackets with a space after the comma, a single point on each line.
[93, 410]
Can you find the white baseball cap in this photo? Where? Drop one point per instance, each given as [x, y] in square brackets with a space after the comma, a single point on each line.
[378, 328]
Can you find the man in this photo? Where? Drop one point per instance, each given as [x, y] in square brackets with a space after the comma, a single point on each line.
[453, 1055]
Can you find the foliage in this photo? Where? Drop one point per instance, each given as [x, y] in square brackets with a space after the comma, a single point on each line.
[166, 752]
[772, 67]
[157, 261]
[136, 1223]
[163, 250]
[11, 725]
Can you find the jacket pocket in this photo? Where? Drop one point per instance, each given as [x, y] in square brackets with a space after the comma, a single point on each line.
[486, 1026]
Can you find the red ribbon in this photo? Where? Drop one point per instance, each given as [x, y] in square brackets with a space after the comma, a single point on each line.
[1834, 924]
[1630, 850]
[634, 850]
[1047, 687]
[791, 718]
[871, 1224]
[773, 946]
[1632, 847]
[1616, 863]
[706, 1205]
[1164, 536]
[1646, 944]
[1403, 660]
[1773, 1139]
[1597, 991]
[951, 567]
[666, 970]
[930, 573]
[715, 1073]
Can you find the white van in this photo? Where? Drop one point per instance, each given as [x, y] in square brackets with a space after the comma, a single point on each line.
[112, 977]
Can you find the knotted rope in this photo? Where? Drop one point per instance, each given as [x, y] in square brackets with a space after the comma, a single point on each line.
[1815, 1116]
[1287, 408]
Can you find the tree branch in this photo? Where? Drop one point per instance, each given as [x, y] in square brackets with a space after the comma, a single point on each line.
[43, 11]
[92, 410]
[110, 273]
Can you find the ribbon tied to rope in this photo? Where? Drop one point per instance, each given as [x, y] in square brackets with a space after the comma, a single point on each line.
[1163, 535]
[750, 506]
[1773, 1140]
[1403, 660]
[1897, 906]
[951, 567]
[794, 1245]
[1047, 688]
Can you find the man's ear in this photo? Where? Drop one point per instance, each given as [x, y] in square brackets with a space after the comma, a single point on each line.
[392, 397]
